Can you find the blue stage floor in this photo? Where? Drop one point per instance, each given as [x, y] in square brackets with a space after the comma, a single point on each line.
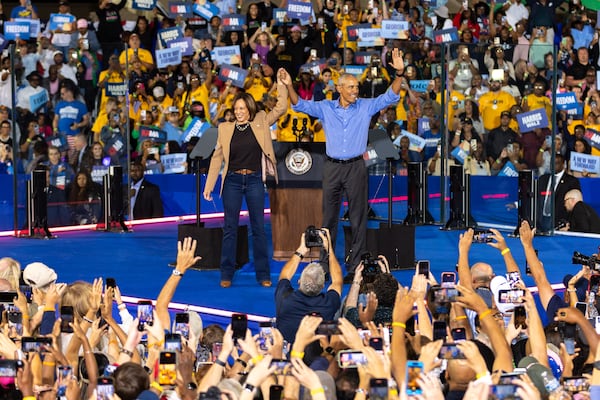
[139, 262]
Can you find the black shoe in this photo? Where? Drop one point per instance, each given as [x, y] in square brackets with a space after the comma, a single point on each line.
[349, 278]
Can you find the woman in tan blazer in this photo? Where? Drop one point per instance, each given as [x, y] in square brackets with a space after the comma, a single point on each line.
[245, 148]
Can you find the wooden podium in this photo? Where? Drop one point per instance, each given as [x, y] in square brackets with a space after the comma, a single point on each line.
[296, 202]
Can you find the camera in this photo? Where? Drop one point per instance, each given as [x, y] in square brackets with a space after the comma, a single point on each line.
[371, 265]
[312, 238]
[582, 259]
[482, 236]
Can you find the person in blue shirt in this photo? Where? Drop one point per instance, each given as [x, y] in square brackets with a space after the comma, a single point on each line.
[71, 115]
[24, 10]
[346, 124]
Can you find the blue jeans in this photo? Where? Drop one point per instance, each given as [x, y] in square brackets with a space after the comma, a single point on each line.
[235, 188]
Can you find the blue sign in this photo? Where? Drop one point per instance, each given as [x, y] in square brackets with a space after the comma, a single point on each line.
[174, 163]
[356, 70]
[223, 54]
[3, 42]
[236, 75]
[459, 154]
[98, 172]
[34, 25]
[299, 9]
[167, 57]
[352, 31]
[233, 22]
[533, 119]
[185, 44]
[206, 10]
[16, 30]
[394, 29]
[509, 170]
[195, 129]
[446, 36]
[59, 140]
[422, 126]
[57, 21]
[115, 147]
[116, 89]
[152, 133]
[38, 100]
[566, 101]
[419, 85]
[279, 15]
[168, 34]
[146, 5]
[584, 163]
[593, 138]
[177, 8]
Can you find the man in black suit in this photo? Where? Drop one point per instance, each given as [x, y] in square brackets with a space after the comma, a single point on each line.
[563, 182]
[81, 158]
[582, 217]
[145, 196]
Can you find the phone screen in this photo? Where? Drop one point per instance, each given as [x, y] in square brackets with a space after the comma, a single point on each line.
[424, 267]
[65, 374]
[8, 374]
[66, 318]
[182, 325]
[378, 389]
[15, 323]
[575, 384]
[376, 343]
[439, 330]
[501, 392]
[173, 342]
[239, 325]
[144, 314]
[111, 282]
[450, 351]
[351, 358]
[520, 317]
[105, 389]
[510, 296]
[167, 373]
[282, 367]
[328, 328]
[595, 283]
[275, 392]
[413, 372]
[459, 334]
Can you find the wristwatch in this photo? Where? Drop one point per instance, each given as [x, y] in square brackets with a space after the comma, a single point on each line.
[248, 387]
[192, 386]
[177, 273]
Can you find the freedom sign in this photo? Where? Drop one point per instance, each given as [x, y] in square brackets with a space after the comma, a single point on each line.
[509, 170]
[169, 34]
[233, 22]
[38, 100]
[566, 101]
[196, 128]
[167, 57]
[391, 29]
[34, 25]
[446, 36]
[236, 75]
[16, 30]
[299, 9]
[145, 5]
[533, 119]
[584, 163]
[223, 54]
[57, 21]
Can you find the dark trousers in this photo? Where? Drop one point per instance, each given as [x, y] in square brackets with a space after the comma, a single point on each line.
[235, 188]
[352, 180]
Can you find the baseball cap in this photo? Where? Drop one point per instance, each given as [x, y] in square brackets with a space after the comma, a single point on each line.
[158, 91]
[467, 120]
[540, 375]
[172, 109]
[497, 284]
[296, 28]
[505, 113]
[38, 275]
[63, 3]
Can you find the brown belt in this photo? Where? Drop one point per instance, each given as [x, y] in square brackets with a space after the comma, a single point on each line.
[244, 171]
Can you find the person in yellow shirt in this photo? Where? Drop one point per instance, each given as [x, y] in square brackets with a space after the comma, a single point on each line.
[493, 103]
[114, 74]
[195, 92]
[538, 100]
[139, 102]
[111, 104]
[257, 84]
[344, 19]
[290, 120]
[135, 50]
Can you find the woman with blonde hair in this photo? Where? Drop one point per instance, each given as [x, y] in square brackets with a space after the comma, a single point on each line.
[10, 269]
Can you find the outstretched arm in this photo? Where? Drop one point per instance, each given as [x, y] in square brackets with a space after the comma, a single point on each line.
[289, 269]
[286, 79]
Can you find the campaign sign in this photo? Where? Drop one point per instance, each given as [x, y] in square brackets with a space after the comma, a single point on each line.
[167, 57]
[593, 138]
[38, 100]
[528, 121]
[185, 43]
[3, 42]
[314, 67]
[116, 89]
[459, 154]
[152, 133]
[57, 21]
[422, 126]
[233, 22]
[16, 30]
[236, 75]
[419, 85]
[174, 163]
[59, 140]
[279, 15]
[177, 8]
[98, 172]
[223, 54]
[445, 36]
[115, 146]
[196, 128]
[146, 5]
[355, 70]
[371, 36]
[169, 34]
[394, 29]
[509, 170]
[299, 9]
[584, 163]
[206, 10]
[417, 143]
[34, 25]
[577, 112]
[352, 31]
[566, 101]
[363, 57]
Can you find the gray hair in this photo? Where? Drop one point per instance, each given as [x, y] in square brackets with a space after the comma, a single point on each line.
[312, 279]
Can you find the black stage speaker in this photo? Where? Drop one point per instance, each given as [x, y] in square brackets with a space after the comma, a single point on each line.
[209, 244]
[527, 210]
[396, 243]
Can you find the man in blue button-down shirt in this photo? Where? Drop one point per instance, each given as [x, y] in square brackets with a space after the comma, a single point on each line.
[346, 124]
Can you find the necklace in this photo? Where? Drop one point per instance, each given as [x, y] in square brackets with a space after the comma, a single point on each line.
[242, 127]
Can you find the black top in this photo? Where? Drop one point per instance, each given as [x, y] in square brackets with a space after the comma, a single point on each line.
[584, 218]
[245, 152]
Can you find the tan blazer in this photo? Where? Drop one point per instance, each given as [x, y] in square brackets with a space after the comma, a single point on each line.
[261, 127]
